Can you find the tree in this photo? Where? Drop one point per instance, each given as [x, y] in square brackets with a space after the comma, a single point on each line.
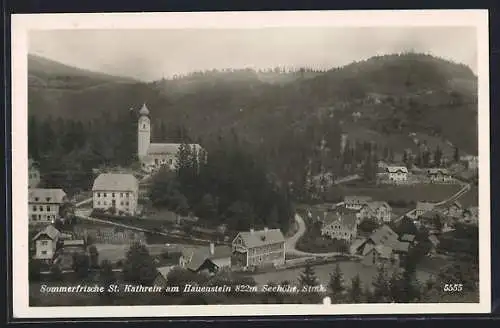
[308, 277]
[106, 278]
[139, 266]
[207, 208]
[94, 257]
[81, 264]
[336, 284]
[456, 155]
[356, 291]
[381, 285]
[438, 155]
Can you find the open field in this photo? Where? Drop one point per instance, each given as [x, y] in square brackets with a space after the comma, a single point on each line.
[115, 253]
[470, 198]
[348, 268]
[396, 194]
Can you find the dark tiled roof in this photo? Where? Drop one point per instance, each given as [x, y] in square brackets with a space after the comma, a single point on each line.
[261, 237]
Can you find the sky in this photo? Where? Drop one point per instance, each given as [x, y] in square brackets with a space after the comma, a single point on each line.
[152, 54]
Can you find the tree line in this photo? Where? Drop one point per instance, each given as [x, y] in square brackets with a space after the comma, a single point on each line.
[224, 186]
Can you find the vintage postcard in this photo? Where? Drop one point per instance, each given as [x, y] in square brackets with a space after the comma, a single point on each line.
[250, 163]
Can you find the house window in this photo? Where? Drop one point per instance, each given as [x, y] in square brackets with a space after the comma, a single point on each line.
[144, 126]
[98, 194]
[121, 203]
[33, 217]
[44, 243]
[113, 195]
[44, 252]
[98, 203]
[121, 194]
[105, 195]
[36, 199]
[39, 216]
[48, 199]
[48, 208]
[40, 208]
[34, 208]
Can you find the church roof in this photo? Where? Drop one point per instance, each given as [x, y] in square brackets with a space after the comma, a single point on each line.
[115, 182]
[144, 110]
[167, 148]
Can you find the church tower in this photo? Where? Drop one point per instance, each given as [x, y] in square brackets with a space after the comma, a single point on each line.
[143, 132]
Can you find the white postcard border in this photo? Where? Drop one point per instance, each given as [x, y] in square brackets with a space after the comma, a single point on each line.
[22, 23]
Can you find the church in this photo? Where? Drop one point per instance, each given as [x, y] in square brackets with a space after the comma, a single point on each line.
[152, 156]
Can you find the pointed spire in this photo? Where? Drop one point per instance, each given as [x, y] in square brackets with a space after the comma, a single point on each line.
[144, 110]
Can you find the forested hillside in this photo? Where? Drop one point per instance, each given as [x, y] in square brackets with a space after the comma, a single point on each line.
[393, 101]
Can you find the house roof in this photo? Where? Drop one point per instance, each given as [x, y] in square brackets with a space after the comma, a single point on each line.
[358, 243]
[351, 199]
[200, 255]
[44, 196]
[348, 220]
[401, 246]
[165, 270]
[168, 148]
[395, 169]
[434, 240]
[434, 171]
[384, 236]
[424, 206]
[115, 182]
[384, 251]
[49, 231]
[74, 242]
[261, 237]
[408, 237]
[144, 110]
[376, 205]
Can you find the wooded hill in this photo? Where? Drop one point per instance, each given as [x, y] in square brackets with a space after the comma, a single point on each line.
[390, 97]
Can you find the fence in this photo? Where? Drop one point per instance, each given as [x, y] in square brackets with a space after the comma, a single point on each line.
[114, 236]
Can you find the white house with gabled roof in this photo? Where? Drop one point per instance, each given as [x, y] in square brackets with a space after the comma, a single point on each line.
[118, 192]
[397, 174]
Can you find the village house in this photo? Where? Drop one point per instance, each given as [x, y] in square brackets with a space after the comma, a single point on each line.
[408, 238]
[397, 174]
[44, 205]
[161, 278]
[155, 155]
[470, 161]
[259, 248]
[210, 259]
[423, 207]
[33, 174]
[378, 210]
[455, 210]
[471, 215]
[356, 202]
[117, 192]
[340, 226]
[382, 247]
[437, 175]
[46, 243]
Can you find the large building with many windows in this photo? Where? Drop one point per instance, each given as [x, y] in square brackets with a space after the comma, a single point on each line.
[258, 248]
[44, 205]
[116, 192]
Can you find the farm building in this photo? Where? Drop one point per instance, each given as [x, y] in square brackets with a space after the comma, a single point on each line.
[259, 248]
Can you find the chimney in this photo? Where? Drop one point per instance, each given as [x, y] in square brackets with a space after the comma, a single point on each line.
[212, 249]
[251, 231]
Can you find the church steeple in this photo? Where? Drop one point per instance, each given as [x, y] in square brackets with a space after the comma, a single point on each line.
[144, 110]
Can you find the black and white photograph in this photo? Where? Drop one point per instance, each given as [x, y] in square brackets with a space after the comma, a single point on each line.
[250, 163]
